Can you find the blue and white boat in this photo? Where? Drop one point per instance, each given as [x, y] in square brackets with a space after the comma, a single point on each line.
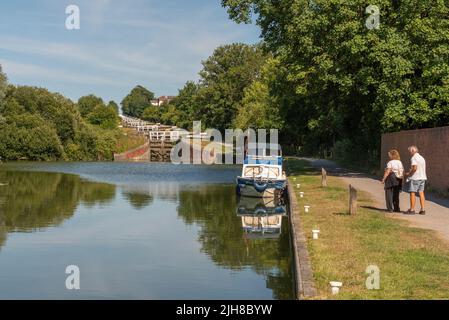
[262, 177]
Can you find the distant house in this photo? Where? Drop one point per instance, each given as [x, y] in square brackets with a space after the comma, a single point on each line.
[161, 100]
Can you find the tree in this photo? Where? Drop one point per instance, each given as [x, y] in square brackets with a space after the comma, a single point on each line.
[30, 137]
[223, 79]
[152, 114]
[103, 116]
[137, 101]
[183, 110]
[59, 111]
[114, 106]
[170, 115]
[349, 82]
[88, 103]
[259, 108]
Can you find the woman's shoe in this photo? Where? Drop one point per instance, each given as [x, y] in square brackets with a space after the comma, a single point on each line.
[411, 212]
[422, 212]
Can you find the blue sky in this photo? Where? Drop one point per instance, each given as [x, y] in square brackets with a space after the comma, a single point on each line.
[155, 43]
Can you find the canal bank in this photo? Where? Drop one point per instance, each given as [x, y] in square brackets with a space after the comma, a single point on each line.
[304, 283]
[413, 263]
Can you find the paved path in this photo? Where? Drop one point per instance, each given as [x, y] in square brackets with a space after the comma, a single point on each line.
[437, 209]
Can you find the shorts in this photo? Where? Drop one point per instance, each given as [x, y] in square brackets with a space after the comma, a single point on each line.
[413, 186]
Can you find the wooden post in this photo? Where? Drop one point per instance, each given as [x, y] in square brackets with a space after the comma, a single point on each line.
[323, 178]
[352, 200]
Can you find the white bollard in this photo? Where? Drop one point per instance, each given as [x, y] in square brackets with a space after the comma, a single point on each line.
[301, 194]
[298, 186]
[335, 285]
[306, 209]
[315, 234]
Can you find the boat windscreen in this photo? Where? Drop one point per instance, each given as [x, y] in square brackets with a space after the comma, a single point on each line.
[274, 160]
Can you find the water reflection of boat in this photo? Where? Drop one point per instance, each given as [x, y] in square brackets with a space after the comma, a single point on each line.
[260, 207]
[262, 226]
[261, 218]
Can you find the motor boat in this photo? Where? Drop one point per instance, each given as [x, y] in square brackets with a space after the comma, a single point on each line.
[262, 177]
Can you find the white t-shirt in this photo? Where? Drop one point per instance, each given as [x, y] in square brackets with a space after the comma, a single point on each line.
[397, 167]
[420, 163]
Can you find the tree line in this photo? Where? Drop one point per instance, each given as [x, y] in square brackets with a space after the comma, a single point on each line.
[232, 92]
[340, 84]
[329, 83]
[36, 124]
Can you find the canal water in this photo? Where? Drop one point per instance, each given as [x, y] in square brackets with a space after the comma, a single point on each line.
[138, 231]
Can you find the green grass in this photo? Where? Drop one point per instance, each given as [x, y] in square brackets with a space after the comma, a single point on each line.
[414, 263]
[128, 139]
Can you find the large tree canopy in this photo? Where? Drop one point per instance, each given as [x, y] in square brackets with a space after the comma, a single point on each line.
[113, 105]
[217, 97]
[88, 103]
[349, 82]
[260, 109]
[94, 110]
[104, 116]
[151, 114]
[184, 108]
[224, 77]
[136, 101]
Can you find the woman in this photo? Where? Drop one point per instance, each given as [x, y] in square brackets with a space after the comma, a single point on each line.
[394, 173]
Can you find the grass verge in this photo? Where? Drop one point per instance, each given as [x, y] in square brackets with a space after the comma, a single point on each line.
[413, 263]
[128, 139]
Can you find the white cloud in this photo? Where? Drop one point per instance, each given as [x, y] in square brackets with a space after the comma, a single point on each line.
[36, 72]
[159, 44]
[108, 57]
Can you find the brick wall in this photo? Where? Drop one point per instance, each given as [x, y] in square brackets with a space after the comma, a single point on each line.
[433, 145]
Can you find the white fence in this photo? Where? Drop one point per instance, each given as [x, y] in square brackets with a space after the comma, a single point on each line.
[159, 132]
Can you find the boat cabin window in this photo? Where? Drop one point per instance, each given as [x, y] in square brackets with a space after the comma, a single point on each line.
[252, 171]
[270, 172]
[273, 172]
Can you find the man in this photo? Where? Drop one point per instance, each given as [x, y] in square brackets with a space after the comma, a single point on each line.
[416, 180]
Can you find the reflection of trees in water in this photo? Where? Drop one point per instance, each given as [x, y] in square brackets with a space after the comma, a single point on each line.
[138, 200]
[142, 195]
[33, 200]
[214, 209]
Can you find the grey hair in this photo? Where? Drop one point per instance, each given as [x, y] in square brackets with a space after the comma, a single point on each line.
[413, 149]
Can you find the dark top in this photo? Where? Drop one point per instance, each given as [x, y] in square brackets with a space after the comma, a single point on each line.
[392, 181]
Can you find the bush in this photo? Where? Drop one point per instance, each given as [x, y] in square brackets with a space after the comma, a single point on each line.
[39, 125]
[29, 137]
[103, 116]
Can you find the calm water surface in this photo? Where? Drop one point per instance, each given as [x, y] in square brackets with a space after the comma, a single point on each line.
[136, 231]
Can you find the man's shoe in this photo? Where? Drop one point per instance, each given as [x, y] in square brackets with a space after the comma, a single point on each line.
[411, 212]
[422, 212]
